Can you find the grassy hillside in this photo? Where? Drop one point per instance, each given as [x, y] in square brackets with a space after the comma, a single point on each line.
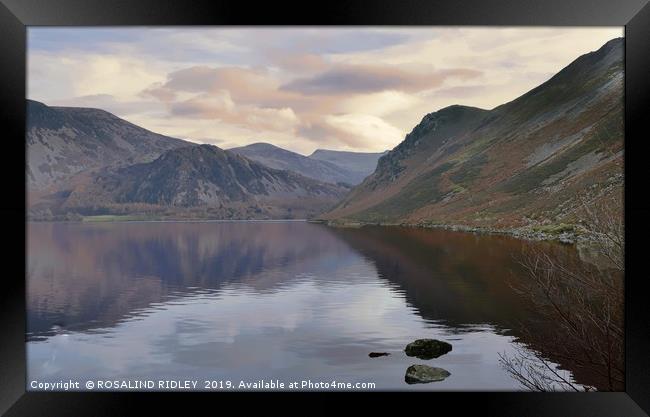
[533, 161]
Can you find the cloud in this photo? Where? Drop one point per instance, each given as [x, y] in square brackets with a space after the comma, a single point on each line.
[349, 132]
[460, 91]
[364, 131]
[216, 105]
[346, 79]
[159, 91]
[297, 62]
[245, 85]
[379, 104]
[55, 76]
[220, 106]
[283, 119]
[356, 88]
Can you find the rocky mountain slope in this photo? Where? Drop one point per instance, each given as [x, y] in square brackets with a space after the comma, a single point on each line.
[200, 181]
[63, 141]
[530, 162]
[278, 158]
[358, 164]
[89, 162]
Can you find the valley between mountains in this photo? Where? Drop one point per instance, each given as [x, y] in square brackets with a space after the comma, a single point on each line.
[534, 162]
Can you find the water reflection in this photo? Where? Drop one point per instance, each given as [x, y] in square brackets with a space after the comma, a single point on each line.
[89, 275]
[250, 300]
[458, 279]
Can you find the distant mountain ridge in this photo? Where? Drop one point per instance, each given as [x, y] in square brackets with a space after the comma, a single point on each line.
[533, 160]
[278, 158]
[323, 165]
[360, 164]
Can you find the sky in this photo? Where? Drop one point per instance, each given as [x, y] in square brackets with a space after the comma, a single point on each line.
[300, 88]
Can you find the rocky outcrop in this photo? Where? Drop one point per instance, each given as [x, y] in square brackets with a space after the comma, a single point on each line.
[427, 348]
[423, 374]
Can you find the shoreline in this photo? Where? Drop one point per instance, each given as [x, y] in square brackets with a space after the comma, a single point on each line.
[568, 237]
[180, 220]
[565, 234]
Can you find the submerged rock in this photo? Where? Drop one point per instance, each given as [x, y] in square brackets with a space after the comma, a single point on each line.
[427, 348]
[378, 354]
[423, 374]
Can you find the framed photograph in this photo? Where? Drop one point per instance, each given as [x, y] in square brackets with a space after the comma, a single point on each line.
[364, 197]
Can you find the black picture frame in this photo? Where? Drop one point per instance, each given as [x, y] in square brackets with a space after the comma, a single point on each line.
[16, 15]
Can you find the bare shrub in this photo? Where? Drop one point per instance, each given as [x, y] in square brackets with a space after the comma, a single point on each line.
[585, 303]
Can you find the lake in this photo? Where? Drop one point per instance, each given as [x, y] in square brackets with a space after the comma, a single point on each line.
[282, 301]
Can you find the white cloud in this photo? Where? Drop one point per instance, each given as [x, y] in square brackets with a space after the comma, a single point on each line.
[370, 130]
[380, 104]
[62, 75]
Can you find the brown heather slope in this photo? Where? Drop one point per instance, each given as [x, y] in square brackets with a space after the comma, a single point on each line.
[534, 160]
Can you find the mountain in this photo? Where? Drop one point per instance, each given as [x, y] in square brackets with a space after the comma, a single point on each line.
[279, 158]
[358, 164]
[323, 165]
[532, 161]
[63, 141]
[87, 161]
[203, 180]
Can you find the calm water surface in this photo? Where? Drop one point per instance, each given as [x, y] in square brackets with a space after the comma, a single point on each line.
[269, 300]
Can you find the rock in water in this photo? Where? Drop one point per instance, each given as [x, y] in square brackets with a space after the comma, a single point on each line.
[427, 348]
[378, 354]
[423, 374]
